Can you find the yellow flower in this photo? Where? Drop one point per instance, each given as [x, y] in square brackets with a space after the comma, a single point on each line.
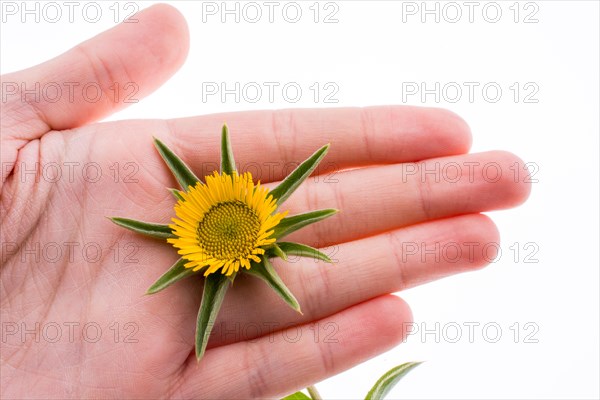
[224, 224]
[229, 224]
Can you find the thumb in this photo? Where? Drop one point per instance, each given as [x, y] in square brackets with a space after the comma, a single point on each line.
[137, 56]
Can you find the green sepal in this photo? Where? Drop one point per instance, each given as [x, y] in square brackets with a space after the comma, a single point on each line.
[265, 271]
[177, 272]
[159, 231]
[215, 287]
[176, 193]
[227, 160]
[277, 252]
[232, 277]
[389, 380]
[291, 224]
[180, 170]
[297, 396]
[293, 180]
[302, 250]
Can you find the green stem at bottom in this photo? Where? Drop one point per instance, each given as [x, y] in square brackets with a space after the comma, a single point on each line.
[314, 393]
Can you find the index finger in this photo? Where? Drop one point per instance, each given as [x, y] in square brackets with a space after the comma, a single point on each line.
[272, 142]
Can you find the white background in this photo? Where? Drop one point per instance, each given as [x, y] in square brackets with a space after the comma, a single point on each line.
[372, 53]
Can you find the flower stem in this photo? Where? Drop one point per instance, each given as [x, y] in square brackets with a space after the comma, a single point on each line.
[314, 393]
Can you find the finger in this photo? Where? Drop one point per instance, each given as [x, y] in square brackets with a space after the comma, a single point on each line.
[118, 67]
[358, 136]
[378, 199]
[270, 144]
[364, 269]
[289, 360]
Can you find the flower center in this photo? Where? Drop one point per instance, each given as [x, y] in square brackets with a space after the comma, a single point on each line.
[228, 230]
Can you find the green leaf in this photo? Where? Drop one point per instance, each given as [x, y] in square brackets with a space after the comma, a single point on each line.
[145, 228]
[177, 272]
[265, 271]
[302, 250]
[291, 224]
[293, 180]
[180, 170]
[227, 160]
[389, 380]
[215, 287]
[297, 396]
[176, 193]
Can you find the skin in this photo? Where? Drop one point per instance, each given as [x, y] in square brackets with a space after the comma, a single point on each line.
[383, 208]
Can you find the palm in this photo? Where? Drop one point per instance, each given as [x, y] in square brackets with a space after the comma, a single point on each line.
[125, 344]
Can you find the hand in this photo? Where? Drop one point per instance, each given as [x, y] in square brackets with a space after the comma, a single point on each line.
[75, 321]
